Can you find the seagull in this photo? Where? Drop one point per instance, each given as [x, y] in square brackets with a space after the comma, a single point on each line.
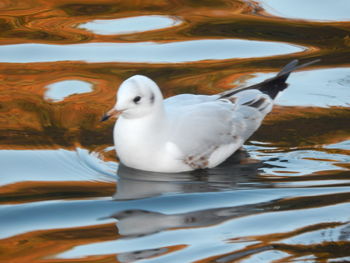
[188, 131]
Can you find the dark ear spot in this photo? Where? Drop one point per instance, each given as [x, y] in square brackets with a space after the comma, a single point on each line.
[152, 98]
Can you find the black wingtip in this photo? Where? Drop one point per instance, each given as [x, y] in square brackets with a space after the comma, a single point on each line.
[278, 83]
[289, 67]
[274, 85]
[105, 117]
[293, 65]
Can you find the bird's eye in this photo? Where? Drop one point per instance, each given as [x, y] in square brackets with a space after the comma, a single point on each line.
[136, 99]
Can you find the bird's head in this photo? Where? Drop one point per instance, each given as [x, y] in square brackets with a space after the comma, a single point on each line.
[138, 96]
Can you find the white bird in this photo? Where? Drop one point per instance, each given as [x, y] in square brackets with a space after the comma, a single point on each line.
[187, 131]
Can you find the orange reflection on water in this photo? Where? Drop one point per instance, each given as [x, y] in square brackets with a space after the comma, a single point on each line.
[38, 191]
[43, 245]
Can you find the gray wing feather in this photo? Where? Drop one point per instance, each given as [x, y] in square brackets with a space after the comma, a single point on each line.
[201, 128]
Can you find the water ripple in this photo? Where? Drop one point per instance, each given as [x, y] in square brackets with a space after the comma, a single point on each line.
[53, 165]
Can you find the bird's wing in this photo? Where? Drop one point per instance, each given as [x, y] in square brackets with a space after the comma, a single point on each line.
[188, 100]
[198, 129]
[252, 107]
[201, 124]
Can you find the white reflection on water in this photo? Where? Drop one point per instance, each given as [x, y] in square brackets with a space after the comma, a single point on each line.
[60, 90]
[184, 51]
[320, 10]
[322, 87]
[130, 24]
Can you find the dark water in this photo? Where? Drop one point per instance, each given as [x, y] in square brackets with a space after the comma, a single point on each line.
[64, 197]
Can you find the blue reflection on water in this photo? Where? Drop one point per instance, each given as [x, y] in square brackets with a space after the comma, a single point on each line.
[62, 89]
[52, 165]
[321, 10]
[146, 51]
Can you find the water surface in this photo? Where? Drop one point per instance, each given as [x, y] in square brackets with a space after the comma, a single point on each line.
[64, 197]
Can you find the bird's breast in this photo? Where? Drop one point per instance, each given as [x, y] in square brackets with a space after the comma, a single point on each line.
[136, 144]
[145, 149]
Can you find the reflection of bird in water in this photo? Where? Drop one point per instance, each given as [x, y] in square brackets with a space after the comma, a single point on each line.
[237, 172]
[139, 255]
[188, 132]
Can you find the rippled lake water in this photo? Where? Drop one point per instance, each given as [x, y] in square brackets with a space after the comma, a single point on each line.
[64, 197]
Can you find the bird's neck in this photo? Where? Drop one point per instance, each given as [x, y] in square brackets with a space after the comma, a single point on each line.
[154, 122]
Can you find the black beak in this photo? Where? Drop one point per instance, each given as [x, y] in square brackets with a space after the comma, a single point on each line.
[105, 117]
